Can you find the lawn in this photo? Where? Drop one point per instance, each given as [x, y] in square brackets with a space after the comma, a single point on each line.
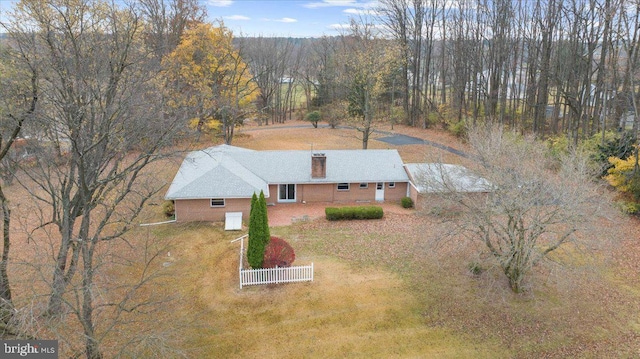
[383, 289]
[348, 311]
[380, 290]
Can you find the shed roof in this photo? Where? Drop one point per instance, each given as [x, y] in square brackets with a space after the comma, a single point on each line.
[436, 177]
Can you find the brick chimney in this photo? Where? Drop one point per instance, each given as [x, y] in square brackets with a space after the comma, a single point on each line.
[318, 165]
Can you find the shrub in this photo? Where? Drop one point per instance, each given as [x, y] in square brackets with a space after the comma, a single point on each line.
[349, 213]
[278, 253]
[313, 117]
[558, 146]
[624, 177]
[333, 213]
[630, 207]
[406, 202]
[169, 208]
[620, 146]
[397, 115]
[334, 113]
[458, 129]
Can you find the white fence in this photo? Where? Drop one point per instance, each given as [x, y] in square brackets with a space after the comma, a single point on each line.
[271, 275]
[276, 275]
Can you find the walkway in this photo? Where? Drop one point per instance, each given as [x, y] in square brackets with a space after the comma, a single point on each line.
[284, 214]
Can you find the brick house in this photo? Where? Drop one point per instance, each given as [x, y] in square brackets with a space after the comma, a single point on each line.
[221, 179]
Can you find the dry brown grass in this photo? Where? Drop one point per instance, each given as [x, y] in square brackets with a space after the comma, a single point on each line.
[291, 136]
[570, 311]
[380, 289]
[347, 311]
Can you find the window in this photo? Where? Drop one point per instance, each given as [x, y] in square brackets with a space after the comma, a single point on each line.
[343, 186]
[392, 185]
[364, 185]
[217, 202]
[287, 193]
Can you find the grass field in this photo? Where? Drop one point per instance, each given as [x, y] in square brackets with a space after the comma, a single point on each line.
[348, 311]
[382, 289]
[379, 292]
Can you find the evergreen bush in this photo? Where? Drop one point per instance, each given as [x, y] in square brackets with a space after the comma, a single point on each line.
[349, 213]
[621, 146]
[259, 233]
[314, 117]
[254, 255]
[406, 202]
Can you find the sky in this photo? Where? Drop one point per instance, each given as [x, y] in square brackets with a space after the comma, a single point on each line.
[287, 18]
[284, 18]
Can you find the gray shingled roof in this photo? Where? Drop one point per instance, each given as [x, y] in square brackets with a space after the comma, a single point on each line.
[431, 177]
[233, 172]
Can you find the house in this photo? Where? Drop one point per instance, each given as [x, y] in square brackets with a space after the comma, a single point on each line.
[221, 179]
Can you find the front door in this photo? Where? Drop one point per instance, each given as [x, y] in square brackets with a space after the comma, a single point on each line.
[380, 191]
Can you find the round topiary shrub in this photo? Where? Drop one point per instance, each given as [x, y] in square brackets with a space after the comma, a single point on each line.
[278, 253]
[406, 202]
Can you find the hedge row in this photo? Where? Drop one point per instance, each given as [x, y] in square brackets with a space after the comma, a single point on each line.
[362, 212]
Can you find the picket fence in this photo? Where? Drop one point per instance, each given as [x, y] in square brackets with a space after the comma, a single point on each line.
[276, 275]
[271, 275]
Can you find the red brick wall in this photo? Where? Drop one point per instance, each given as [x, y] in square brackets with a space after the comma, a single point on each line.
[330, 193]
[201, 210]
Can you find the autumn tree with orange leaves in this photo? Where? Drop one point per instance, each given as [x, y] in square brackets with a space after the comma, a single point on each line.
[209, 81]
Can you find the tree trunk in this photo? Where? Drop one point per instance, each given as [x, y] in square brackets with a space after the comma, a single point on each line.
[63, 273]
[92, 349]
[6, 304]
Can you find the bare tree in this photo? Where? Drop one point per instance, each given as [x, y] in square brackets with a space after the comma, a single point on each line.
[270, 62]
[167, 21]
[532, 207]
[101, 128]
[630, 39]
[329, 72]
[369, 59]
[397, 18]
[18, 104]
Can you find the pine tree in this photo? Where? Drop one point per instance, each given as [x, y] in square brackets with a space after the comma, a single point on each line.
[255, 251]
[265, 219]
[259, 234]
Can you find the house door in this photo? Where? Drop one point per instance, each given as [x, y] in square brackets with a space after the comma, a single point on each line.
[380, 191]
[287, 193]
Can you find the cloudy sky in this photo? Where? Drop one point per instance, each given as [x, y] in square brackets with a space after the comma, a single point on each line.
[295, 18]
[288, 18]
